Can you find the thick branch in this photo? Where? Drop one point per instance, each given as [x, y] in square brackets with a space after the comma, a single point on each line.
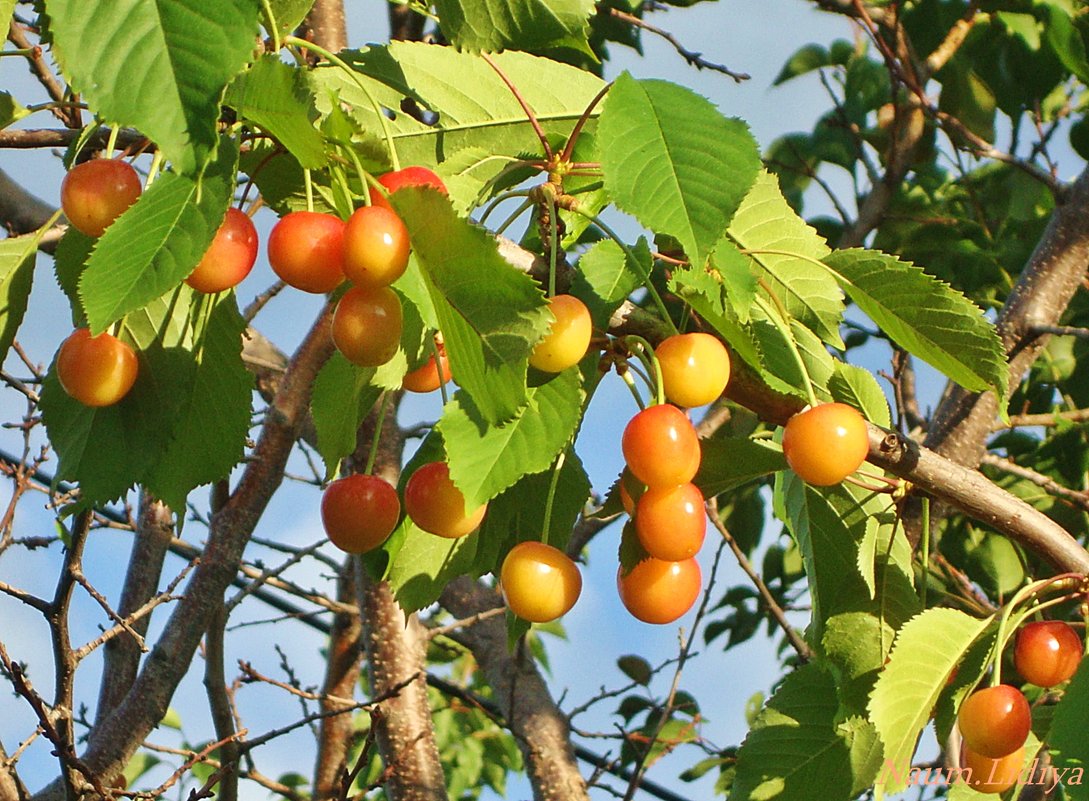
[118, 737]
[538, 724]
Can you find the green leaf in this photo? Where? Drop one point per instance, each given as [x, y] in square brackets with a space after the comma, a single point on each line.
[494, 25]
[343, 396]
[782, 248]
[733, 270]
[635, 668]
[485, 460]
[1066, 41]
[857, 387]
[473, 107]
[275, 97]
[728, 463]
[425, 564]
[157, 242]
[606, 276]
[290, 14]
[10, 109]
[1025, 26]
[16, 276]
[491, 315]
[925, 316]
[209, 434]
[805, 59]
[159, 67]
[674, 162]
[796, 745]
[1068, 744]
[927, 649]
[69, 261]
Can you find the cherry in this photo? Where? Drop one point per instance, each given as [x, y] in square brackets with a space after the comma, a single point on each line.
[540, 583]
[1047, 652]
[567, 339]
[96, 371]
[306, 250]
[695, 368]
[655, 591]
[409, 176]
[426, 378]
[995, 721]
[826, 443]
[661, 447]
[992, 775]
[367, 325]
[229, 258]
[670, 521]
[376, 247]
[359, 512]
[436, 505]
[96, 192]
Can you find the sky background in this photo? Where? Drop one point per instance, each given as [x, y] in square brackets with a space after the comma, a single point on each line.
[753, 36]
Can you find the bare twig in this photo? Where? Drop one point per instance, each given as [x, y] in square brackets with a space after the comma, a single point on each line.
[693, 58]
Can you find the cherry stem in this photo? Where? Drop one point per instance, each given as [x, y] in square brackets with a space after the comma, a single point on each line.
[569, 148]
[651, 289]
[153, 170]
[925, 551]
[877, 489]
[342, 181]
[645, 351]
[546, 526]
[309, 184]
[625, 376]
[780, 318]
[521, 102]
[373, 454]
[553, 242]
[524, 193]
[366, 180]
[111, 143]
[387, 132]
[273, 28]
[518, 212]
[438, 369]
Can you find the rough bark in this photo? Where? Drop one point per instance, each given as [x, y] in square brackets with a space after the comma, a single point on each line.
[341, 675]
[396, 649]
[537, 723]
[325, 25]
[154, 530]
[11, 788]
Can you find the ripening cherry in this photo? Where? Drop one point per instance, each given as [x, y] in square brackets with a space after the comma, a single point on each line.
[96, 371]
[436, 505]
[229, 258]
[367, 325]
[995, 721]
[96, 192]
[992, 775]
[376, 247]
[399, 179]
[427, 378]
[695, 368]
[306, 250]
[661, 447]
[568, 337]
[359, 512]
[671, 522]
[1047, 652]
[655, 591]
[826, 443]
[540, 583]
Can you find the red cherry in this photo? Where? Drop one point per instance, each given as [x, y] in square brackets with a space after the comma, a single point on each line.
[995, 721]
[96, 192]
[306, 250]
[661, 447]
[426, 378]
[359, 512]
[409, 176]
[436, 505]
[229, 258]
[1047, 652]
[671, 522]
[367, 325]
[659, 592]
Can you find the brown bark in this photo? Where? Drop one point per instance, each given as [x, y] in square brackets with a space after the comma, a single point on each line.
[11, 788]
[341, 675]
[154, 530]
[325, 25]
[396, 649]
[533, 717]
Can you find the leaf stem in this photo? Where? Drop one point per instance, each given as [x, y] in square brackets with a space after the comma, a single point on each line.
[387, 132]
[309, 184]
[1026, 592]
[438, 368]
[625, 376]
[521, 102]
[780, 318]
[273, 28]
[926, 550]
[111, 143]
[373, 454]
[553, 241]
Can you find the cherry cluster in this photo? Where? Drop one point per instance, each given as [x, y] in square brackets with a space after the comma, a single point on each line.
[662, 455]
[995, 721]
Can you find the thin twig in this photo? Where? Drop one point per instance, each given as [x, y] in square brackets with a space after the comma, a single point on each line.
[694, 59]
